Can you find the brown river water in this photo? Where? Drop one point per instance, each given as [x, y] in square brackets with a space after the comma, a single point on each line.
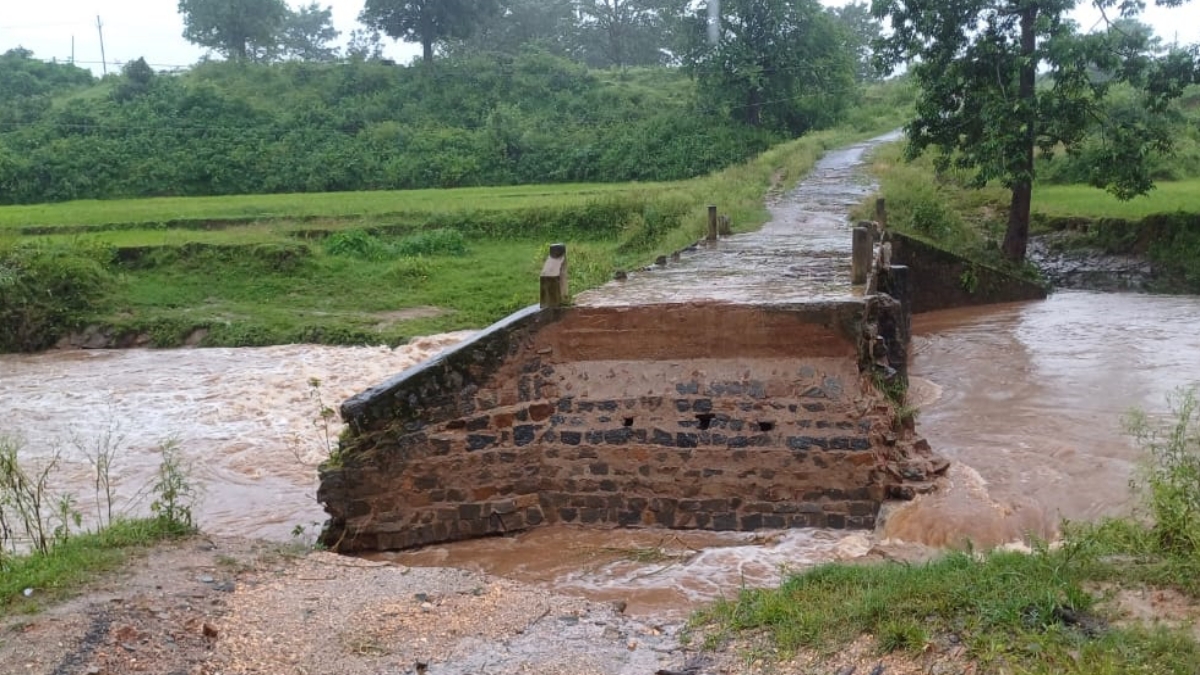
[1028, 399]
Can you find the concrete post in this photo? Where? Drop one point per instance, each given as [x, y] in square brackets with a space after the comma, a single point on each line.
[881, 213]
[712, 222]
[860, 260]
[554, 291]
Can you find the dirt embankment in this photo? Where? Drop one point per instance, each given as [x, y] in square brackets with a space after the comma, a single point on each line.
[222, 606]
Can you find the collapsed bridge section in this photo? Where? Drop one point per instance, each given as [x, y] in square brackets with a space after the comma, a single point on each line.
[696, 415]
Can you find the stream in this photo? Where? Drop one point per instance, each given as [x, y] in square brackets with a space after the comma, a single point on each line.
[1028, 398]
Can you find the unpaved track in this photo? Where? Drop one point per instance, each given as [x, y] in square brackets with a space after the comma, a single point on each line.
[218, 606]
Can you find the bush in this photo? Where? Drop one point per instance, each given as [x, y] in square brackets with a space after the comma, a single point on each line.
[46, 291]
[442, 241]
[1169, 481]
[357, 244]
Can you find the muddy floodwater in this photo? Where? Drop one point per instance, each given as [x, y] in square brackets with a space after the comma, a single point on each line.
[1028, 399]
[246, 420]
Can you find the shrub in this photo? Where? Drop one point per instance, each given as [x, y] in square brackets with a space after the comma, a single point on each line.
[1169, 481]
[441, 241]
[357, 244]
[46, 291]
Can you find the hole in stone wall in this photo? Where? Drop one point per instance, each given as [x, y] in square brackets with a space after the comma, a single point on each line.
[766, 426]
[628, 421]
[705, 420]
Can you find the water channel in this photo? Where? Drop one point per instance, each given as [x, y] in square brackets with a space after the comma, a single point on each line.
[1028, 398]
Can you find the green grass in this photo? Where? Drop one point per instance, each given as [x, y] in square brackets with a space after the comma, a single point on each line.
[327, 205]
[1084, 201]
[259, 283]
[73, 562]
[1013, 612]
[325, 298]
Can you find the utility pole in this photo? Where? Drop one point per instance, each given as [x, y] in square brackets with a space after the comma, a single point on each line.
[103, 59]
[72, 50]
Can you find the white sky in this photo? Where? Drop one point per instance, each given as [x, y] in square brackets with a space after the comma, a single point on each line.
[153, 29]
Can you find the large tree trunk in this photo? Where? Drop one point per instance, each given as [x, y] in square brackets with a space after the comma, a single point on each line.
[754, 107]
[1016, 237]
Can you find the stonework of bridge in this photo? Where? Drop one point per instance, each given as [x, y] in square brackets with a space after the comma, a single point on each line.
[744, 384]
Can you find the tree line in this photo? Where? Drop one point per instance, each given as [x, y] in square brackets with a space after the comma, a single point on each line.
[230, 128]
[514, 99]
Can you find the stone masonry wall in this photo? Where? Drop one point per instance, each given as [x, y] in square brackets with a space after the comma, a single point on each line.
[941, 279]
[692, 416]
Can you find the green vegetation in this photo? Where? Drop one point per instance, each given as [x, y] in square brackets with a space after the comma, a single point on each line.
[1041, 612]
[1081, 201]
[45, 552]
[416, 265]
[1002, 81]
[248, 128]
[945, 207]
[74, 562]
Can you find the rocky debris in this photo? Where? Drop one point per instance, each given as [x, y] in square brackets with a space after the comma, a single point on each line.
[1065, 266]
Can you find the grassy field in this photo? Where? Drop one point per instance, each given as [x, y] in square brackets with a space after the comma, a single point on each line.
[1084, 201]
[326, 205]
[351, 268]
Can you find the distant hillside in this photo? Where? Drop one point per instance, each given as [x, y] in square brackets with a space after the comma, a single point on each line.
[229, 128]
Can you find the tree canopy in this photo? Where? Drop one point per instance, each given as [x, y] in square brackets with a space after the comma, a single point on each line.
[428, 22]
[777, 63]
[237, 29]
[1002, 80]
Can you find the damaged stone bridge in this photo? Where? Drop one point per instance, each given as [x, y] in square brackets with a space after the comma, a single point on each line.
[745, 383]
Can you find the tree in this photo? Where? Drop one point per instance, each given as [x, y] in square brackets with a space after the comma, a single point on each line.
[978, 64]
[136, 79]
[621, 32]
[427, 21]
[860, 29]
[776, 63]
[238, 29]
[544, 24]
[307, 33]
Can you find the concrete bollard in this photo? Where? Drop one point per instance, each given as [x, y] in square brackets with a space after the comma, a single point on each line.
[554, 291]
[712, 222]
[860, 260]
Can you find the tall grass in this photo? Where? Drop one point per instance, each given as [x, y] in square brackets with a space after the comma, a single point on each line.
[45, 550]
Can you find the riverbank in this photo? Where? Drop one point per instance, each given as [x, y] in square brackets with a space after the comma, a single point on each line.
[1081, 237]
[209, 605]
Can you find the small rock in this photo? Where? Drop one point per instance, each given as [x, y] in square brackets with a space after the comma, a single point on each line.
[426, 606]
[206, 579]
[210, 631]
[569, 619]
[421, 597]
[225, 587]
[619, 606]
[27, 592]
[92, 670]
[632, 645]
[611, 633]
[128, 647]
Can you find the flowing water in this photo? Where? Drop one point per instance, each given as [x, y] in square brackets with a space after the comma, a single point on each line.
[246, 420]
[1027, 397]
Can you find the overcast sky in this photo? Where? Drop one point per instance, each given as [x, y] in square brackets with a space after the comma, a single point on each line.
[153, 29]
